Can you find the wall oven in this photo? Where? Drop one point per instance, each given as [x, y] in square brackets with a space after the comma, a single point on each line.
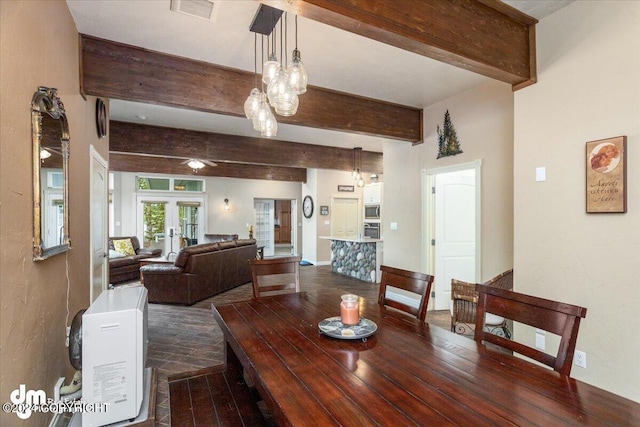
[371, 212]
[372, 230]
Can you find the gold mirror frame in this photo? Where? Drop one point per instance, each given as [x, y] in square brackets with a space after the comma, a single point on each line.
[46, 105]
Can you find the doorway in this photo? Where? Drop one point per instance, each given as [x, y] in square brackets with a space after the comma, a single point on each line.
[275, 226]
[452, 227]
[169, 223]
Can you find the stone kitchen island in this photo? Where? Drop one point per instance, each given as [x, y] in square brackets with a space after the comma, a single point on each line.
[356, 258]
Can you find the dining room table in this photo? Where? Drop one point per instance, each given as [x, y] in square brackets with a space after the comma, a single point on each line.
[396, 371]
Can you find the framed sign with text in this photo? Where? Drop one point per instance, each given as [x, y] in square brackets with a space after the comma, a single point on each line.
[349, 188]
[606, 166]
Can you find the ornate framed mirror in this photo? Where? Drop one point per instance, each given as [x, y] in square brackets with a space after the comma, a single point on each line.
[50, 140]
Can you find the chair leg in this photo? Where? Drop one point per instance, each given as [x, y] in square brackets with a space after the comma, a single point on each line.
[507, 332]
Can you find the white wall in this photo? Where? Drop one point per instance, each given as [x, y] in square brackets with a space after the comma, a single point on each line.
[483, 119]
[588, 88]
[240, 192]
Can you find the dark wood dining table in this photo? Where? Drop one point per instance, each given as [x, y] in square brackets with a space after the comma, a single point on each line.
[406, 373]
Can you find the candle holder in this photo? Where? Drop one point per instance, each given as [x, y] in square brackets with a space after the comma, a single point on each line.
[349, 310]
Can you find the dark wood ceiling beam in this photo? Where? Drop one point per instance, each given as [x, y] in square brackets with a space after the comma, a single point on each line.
[172, 166]
[120, 71]
[132, 138]
[484, 36]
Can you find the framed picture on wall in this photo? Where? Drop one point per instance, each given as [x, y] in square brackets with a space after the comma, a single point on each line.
[606, 170]
[324, 210]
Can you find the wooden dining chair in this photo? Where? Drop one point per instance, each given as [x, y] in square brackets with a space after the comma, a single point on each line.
[555, 317]
[275, 275]
[417, 283]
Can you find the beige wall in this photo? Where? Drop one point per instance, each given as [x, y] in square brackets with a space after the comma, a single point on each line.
[483, 119]
[588, 89]
[39, 47]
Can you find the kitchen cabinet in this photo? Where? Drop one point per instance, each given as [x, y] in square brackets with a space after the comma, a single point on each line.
[372, 193]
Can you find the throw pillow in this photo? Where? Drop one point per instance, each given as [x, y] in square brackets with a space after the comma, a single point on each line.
[124, 246]
[114, 254]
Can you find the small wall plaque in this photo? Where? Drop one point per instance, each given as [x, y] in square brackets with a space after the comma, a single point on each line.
[348, 188]
[607, 175]
[324, 210]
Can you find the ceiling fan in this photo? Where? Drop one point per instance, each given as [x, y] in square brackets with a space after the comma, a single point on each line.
[197, 164]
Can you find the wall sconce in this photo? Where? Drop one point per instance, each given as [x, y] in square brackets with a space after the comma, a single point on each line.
[226, 204]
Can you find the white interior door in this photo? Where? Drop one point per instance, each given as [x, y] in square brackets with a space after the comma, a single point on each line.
[264, 210]
[345, 221]
[455, 232]
[99, 203]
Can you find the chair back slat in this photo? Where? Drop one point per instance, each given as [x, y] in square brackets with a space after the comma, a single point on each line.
[556, 317]
[411, 281]
[275, 275]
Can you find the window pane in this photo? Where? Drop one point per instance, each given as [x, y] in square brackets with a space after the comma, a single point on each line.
[188, 185]
[153, 225]
[153, 184]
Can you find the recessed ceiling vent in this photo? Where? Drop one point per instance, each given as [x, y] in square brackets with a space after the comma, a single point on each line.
[204, 9]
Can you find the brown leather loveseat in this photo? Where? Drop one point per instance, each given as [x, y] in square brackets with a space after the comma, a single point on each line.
[200, 272]
[127, 267]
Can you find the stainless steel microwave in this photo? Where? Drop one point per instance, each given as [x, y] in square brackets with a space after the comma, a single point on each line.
[372, 230]
[371, 212]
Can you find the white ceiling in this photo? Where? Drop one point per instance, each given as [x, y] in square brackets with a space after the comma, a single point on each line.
[334, 59]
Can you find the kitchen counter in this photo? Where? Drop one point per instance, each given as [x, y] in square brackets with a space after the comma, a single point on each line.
[359, 258]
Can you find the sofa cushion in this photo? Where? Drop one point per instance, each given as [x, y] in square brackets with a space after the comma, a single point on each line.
[185, 253]
[124, 246]
[227, 245]
[216, 238]
[245, 242]
[113, 254]
[122, 261]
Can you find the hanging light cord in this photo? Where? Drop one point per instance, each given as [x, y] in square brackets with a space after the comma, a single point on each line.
[255, 60]
[296, 31]
[286, 30]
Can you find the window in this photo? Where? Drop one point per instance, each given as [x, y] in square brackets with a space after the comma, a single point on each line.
[188, 185]
[169, 184]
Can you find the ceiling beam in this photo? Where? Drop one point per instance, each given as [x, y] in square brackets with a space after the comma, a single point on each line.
[132, 138]
[484, 36]
[116, 70]
[173, 166]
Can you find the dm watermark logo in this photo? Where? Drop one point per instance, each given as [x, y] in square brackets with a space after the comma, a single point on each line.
[24, 402]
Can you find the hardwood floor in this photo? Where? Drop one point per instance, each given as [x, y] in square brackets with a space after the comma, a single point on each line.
[186, 339]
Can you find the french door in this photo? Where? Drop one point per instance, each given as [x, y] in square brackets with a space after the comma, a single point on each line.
[169, 223]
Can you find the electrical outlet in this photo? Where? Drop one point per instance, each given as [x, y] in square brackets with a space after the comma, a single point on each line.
[580, 359]
[66, 340]
[540, 341]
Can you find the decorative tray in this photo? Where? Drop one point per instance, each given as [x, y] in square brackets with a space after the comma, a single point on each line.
[333, 327]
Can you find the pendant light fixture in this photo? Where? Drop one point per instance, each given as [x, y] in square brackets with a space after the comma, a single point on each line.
[271, 67]
[357, 164]
[253, 101]
[280, 93]
[297, 72]
[282, 96]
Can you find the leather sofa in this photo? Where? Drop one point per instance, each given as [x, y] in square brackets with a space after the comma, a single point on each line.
[124, 268]
[200, 271]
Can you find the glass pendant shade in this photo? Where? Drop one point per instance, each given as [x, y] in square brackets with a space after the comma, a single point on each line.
[282, 96]
[264, 120]
[270, 69]
[360, 182]
[252, 103]
[270, 127]
[297, 73]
